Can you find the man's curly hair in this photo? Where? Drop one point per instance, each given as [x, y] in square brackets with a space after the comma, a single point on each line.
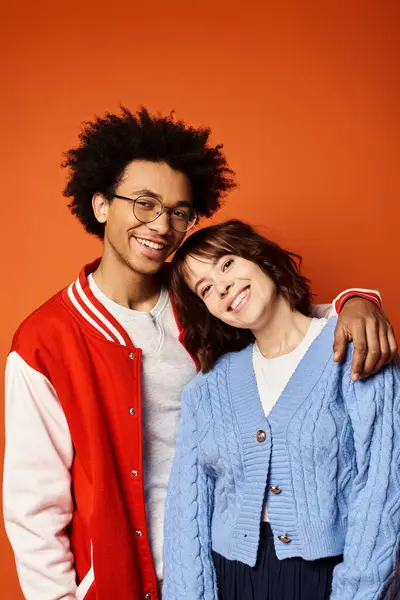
[109, 144]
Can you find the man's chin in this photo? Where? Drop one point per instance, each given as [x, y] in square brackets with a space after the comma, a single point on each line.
[145, 266]
[154, 270]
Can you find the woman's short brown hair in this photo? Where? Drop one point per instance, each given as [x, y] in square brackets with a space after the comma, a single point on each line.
[206, 337]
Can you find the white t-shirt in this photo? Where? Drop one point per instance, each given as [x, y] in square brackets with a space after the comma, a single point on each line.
[273, 374]
[166, 369]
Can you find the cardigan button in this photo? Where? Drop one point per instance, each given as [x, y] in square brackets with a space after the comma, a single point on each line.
[131, 355]
[147, 596]
[134, 473]
[275, 489]
[132, 411]
[284, 539]
[138, 533]
[261, 436]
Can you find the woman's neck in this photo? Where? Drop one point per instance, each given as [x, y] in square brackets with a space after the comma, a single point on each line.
[282, 331]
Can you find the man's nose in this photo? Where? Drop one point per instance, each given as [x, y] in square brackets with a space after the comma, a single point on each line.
[162, 225]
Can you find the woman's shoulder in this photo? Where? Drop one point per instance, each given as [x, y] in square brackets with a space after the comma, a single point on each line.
[219, 369]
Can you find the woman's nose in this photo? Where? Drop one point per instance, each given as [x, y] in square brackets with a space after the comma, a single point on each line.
[224, 289]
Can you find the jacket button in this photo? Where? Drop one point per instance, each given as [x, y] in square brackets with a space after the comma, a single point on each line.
[132, 411]
[138, 533]
[275, 489]
[134, 473]
[147, 596]
[131, 355]
[261, 436]
[284, 539]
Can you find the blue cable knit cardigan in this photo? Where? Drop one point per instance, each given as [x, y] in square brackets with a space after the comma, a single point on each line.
[331, 446]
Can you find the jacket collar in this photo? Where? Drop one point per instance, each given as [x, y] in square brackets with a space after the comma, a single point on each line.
[80, 298]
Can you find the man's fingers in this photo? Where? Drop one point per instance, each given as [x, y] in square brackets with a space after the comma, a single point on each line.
[340, 343]
[357, 364]
[386, 355]
[384, 349]
[360, 350]
[373, 347]
[392, 343]
[373, 338]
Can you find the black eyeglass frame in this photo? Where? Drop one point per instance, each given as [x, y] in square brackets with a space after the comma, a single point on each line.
[162, 210]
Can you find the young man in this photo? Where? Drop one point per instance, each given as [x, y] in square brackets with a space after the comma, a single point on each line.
[94, 375]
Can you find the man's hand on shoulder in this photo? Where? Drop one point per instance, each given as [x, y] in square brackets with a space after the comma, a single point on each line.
[362, 322]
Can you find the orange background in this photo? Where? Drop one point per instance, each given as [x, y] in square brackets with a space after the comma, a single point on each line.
[305, 98]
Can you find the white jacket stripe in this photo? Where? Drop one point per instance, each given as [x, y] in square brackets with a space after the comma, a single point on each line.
[85, 314]
[98, 314]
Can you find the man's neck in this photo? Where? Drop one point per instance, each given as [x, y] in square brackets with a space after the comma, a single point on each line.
[125, 286]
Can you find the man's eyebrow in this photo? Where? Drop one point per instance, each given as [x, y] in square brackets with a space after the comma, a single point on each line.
[151, 194]
[146, 192]
[184, 203]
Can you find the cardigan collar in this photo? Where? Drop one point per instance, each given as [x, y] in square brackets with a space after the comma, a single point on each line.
[244, 391]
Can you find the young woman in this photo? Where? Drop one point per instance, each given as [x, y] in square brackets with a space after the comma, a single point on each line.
[286, 478]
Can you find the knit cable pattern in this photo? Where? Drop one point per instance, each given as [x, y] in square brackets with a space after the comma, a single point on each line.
[188, 569]
[332, 447]
[226, 436]
[370, 566]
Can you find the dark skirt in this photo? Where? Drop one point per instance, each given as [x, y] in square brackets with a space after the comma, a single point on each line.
[273, 579]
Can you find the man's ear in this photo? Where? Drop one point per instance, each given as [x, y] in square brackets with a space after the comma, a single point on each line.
[100, 206]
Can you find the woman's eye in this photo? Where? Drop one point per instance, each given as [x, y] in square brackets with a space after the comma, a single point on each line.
[227, 264]
[205, 291]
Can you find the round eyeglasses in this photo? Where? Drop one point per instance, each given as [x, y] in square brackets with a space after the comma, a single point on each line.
[147, 209]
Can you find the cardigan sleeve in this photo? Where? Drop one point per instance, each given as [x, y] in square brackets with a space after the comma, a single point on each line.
[188, 566]
[370, 568]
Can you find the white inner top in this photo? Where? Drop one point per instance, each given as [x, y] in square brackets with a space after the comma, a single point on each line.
[273, 374]
[166, 369]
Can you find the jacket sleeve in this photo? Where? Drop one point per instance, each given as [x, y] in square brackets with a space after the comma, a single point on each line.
[37, 485]
[332, 310]
[370, 568]
[188, 565]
